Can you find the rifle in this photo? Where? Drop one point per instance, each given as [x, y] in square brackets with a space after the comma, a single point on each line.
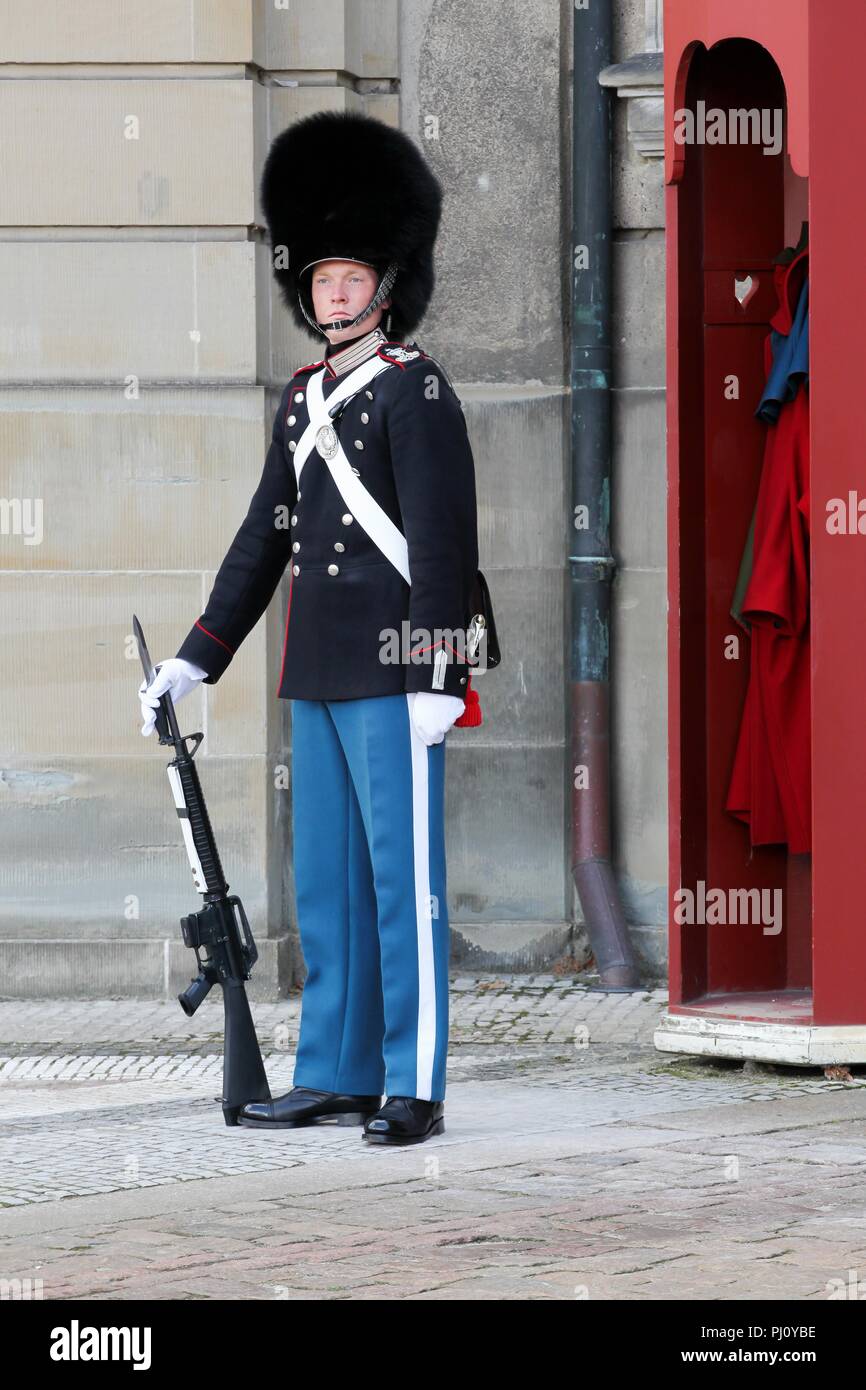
[219, 929]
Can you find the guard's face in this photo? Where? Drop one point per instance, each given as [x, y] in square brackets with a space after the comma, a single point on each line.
[340, 290]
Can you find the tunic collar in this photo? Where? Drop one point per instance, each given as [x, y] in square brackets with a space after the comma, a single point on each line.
[350, 355]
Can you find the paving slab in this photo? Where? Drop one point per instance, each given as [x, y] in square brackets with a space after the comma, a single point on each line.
[604, 1171]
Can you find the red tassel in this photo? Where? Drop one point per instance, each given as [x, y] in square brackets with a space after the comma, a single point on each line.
[471, 716]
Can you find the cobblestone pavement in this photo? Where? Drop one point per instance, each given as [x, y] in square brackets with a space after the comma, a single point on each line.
[577, 1162]
[521, 1009]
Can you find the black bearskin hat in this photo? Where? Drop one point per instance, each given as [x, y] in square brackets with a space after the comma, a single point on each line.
[342, 186]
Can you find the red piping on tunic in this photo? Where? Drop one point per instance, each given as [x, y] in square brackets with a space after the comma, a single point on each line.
[216, 639]
[286, 638]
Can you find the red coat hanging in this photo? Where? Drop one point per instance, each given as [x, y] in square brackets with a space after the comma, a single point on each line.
[770, 786]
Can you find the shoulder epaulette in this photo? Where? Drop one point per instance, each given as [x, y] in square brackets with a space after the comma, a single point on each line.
[398, 354]
[410, 355]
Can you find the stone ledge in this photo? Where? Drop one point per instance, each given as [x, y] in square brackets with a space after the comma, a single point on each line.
[125, 969]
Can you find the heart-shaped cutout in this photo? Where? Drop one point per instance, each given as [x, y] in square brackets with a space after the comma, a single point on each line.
[744, 287]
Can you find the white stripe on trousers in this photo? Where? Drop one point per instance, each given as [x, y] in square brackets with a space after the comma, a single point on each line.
[426, 1043]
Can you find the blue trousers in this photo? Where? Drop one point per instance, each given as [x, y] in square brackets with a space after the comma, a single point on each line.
[369, 855]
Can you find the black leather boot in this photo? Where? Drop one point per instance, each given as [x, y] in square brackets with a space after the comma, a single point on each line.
[301, 1106]
[405, 1120]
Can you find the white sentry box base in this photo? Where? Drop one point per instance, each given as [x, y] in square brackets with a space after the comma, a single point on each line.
[804, 1045]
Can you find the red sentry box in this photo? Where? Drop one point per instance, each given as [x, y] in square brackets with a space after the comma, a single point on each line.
[730, 210]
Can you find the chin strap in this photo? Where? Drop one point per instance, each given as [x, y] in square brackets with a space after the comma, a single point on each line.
[386, 284]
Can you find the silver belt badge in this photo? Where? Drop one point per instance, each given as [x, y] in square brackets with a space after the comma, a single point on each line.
[475, 633]
[327, 441]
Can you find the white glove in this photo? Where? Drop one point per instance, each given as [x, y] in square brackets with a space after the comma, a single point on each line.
[433, 714]
[174, 677]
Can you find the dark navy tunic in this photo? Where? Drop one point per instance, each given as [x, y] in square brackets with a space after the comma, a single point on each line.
[406, 436]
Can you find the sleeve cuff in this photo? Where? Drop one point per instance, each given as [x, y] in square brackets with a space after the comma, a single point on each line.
[207, 651]
[427, 676]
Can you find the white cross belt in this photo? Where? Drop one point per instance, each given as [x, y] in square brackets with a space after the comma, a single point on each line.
[363, 506]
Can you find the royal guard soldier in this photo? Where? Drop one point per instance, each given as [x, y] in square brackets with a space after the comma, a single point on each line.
[368, 494]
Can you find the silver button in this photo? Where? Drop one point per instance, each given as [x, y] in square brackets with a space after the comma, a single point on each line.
[294, 521]
[299, 395]
[291, 420]
[347, 518]
[333, 569]
[296, 569]
[292, 446]
[462, 680]
[296, 546]
[338, 545]
[369, 395]
[359, 444]
[365, 419]
[356, 471]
